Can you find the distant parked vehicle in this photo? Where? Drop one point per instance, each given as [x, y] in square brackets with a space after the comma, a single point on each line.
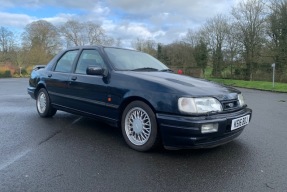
[138, 93]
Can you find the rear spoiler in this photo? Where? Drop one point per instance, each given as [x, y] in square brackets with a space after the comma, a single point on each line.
[37, 67]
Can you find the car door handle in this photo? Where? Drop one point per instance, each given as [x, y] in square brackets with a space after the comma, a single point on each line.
[49, 75]
[74, 78]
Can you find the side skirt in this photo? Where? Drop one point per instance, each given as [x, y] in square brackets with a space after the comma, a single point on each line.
[110, 121]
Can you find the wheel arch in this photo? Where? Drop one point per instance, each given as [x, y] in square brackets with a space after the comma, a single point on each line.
[40, 86]
[129, 100]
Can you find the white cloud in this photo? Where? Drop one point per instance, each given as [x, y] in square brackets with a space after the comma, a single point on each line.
[108, 25]
[135, 29]
[188, 8]
[172, 18]
[98, 9]
[160, 20]
[15, 20]
[82, 4]
[21, 20]
[60, 19]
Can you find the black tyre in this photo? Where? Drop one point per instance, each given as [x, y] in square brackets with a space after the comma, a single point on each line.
[139, 126]
[43, 104]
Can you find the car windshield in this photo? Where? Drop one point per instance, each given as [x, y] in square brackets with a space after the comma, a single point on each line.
[124, 59]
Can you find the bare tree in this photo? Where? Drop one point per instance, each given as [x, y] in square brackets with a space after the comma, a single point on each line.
[95, 33]
[73, 31]
[41, 41]
[179, 55]
[145, 45]
[250, 17]
[109, 41]
[233, 48]
[216, 30]
[6, 39]
[197, 45]
[192, 37]
[84, 33]
[138, 44]
[277, 31]
[42, 34]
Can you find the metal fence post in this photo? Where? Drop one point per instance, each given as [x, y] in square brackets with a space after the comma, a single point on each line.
[273, 66]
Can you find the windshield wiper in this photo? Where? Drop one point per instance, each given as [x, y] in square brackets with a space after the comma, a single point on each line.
[166, 70]
[145, 69]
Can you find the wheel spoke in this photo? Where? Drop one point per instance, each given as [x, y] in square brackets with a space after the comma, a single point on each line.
[147, 131]
[144, 135]
[147, 124]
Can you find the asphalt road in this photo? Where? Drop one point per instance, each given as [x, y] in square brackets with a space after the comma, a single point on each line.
[73, 153]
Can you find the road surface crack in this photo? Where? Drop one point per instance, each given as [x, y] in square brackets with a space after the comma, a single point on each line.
[50, 137]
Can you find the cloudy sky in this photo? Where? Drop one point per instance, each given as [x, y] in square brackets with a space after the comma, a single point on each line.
[160, 20]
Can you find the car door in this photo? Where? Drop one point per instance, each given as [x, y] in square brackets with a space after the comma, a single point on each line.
[89, 92]
[58, 78]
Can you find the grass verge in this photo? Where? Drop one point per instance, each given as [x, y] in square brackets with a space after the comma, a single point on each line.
[260, 85]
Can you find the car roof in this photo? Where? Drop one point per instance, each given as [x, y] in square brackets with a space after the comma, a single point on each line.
[99, 46]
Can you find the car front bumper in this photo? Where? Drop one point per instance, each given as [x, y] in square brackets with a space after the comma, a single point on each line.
[31, 91]
[180, 132]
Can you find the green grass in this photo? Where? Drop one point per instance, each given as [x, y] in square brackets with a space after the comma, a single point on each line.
[260, 85]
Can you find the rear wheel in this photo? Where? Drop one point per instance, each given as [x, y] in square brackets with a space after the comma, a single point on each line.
[139, 126]
[43, 104]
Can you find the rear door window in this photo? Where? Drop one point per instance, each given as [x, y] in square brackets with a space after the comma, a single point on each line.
[65, 64]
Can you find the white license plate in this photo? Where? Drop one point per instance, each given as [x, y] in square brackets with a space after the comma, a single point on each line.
[240, 122]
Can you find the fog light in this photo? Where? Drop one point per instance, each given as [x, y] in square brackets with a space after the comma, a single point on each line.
[209, 128]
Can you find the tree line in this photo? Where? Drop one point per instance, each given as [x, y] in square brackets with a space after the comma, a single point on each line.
[41, 41]
[241, 44]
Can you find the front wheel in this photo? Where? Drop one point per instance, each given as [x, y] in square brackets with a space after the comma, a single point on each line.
[139, 126]
[43, 104]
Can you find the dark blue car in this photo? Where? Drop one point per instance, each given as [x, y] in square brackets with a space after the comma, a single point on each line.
[138, 93]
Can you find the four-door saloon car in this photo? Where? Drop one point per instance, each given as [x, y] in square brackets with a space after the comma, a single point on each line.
[134, 91]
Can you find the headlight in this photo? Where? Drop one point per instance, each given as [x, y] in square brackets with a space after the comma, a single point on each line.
[198, 105]
[241, 100]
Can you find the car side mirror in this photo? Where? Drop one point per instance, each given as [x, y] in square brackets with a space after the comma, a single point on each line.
[96, 70]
